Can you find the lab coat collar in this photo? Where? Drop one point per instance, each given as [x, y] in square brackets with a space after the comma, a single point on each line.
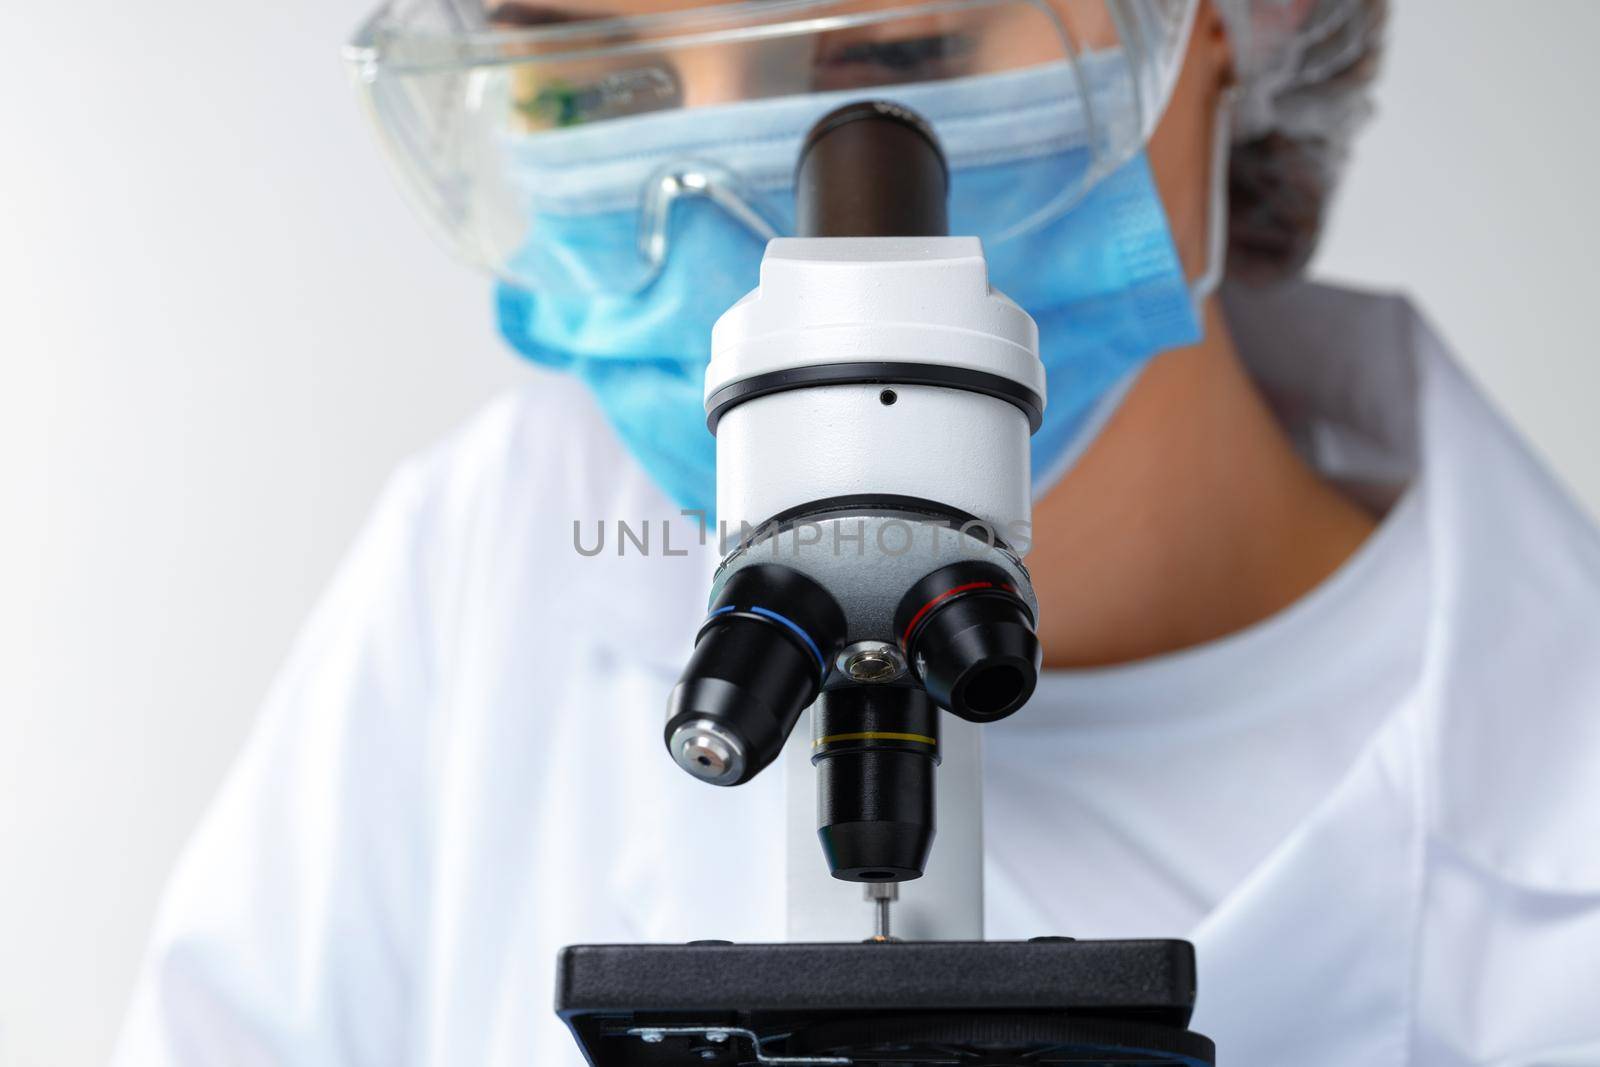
[1340, 370]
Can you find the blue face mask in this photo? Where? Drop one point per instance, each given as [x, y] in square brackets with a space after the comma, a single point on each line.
[1102, 279]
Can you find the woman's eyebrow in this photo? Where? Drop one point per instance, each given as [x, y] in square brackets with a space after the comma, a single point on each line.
[518, 13]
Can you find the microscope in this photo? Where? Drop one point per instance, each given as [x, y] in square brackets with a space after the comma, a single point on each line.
[873, 400]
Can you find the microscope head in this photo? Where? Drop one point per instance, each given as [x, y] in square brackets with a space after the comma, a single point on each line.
[872, 400]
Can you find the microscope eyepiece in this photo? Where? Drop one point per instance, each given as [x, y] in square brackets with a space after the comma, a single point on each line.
[871, 169]
[969, 637]
[758, 661]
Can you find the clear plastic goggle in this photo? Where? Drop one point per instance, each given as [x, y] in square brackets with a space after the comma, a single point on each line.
[512, 121]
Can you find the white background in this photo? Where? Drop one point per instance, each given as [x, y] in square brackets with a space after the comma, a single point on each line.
[219, 329]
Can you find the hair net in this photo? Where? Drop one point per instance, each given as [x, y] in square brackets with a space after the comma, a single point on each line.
[1305, 71]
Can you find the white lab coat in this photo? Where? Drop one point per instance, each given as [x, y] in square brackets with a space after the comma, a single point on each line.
[460, 769]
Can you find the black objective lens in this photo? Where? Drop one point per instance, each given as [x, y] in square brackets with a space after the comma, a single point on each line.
[757, 662]
[875, 748]
[970, 638]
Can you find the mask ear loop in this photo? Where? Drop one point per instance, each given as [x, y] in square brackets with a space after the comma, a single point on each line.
[1199, 291]
[1217, 211]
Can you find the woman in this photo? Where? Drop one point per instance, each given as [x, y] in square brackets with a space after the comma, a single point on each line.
[1319, 632]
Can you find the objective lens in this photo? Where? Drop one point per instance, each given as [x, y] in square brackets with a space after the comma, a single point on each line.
[970, 638]
[757, 662]
[875, 748]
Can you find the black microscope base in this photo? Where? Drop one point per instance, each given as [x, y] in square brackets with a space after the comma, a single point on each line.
[964, 1003]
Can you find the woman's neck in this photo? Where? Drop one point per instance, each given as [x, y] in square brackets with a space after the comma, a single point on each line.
[1191, 517]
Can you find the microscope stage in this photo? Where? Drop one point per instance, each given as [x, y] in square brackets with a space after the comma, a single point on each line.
[1048, 1001]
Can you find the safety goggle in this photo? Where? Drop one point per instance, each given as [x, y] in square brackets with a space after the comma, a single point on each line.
[509, 120]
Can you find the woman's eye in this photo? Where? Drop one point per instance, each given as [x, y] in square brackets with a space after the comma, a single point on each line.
[902, 56]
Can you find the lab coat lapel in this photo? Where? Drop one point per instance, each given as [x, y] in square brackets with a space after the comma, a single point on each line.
[1306, 961]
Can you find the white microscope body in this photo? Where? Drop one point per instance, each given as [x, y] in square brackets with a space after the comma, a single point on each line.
[872, 400]
[901, 312]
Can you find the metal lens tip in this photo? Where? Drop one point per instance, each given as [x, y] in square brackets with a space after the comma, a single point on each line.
[707, 753]
[706, 756]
